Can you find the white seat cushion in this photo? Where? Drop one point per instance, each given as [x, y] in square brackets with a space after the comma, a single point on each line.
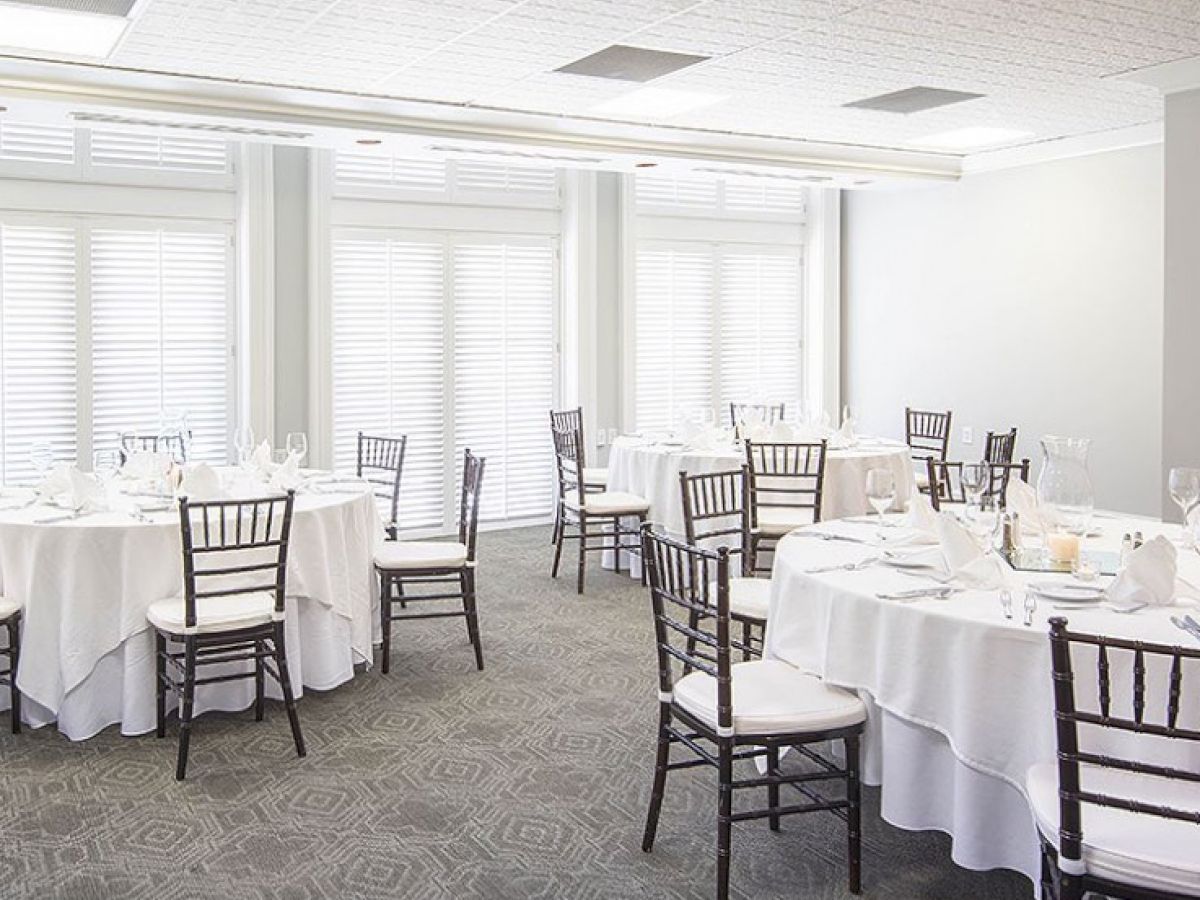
[395, 555]
[612, 503]
[214, 614]
[749, 598]
[922, 478]
[771, 697]
[595, 477]
[7, 608]
[1127, 847]
[776, 521]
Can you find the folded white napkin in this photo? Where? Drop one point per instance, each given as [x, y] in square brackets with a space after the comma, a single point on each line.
[1148, 577]
[1022, 499]
[260, 460]
[287, 476]
[782, 433]
[69, 487]
[56, 482]
[201, 482]
[146, 465]
[967, 563]
[844, 437]
[921, 515]
[757, 433]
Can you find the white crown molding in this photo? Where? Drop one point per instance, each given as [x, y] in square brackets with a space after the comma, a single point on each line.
[1064, 148]
[1170, 78]
[332, 119]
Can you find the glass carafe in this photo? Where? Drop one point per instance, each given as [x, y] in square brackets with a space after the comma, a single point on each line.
[1064, 487]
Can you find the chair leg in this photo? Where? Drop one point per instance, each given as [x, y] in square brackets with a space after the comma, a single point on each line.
[185, 705]
[259, 650]
[724, 815]
[385, 623]
[773, 789]
[583, 536]
[854, 814]
[400, 594]
[14, 660]
[662, 757]
[1070, 887]
[638, 536]
[1047, 892]
[285, 685]
[560, 528]
[557, 522]
[160, 685]
[468, 590]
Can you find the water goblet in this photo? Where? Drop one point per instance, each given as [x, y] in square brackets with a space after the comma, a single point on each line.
[881, 491]
[1184, 485]
[297, 445]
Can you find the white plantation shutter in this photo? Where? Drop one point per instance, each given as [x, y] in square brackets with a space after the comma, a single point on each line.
[37, 346]
[37, 143]
[512, 182]
[376, 170]
[670, 193]
[161, 333]
[674, 332]
[388, 362]
[760, 325]
[765, 195]
[504, 296]
[177, 153]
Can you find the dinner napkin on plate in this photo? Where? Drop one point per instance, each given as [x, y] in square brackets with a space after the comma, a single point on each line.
[146, 465]
[260, 460]
[1148, 577]
[1022, 499]
[56, 482]
[844, 437]
[69, 487]
[287, 476]
[968, 565]
[201, 482]
[783, 433]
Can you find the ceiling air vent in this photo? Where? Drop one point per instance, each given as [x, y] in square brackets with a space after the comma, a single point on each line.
[911, 100]
[750, 173]
[120, 8]
[624, 63]
[210, 127]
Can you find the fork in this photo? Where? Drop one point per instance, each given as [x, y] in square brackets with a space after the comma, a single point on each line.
[1183, 626]
[844, 567]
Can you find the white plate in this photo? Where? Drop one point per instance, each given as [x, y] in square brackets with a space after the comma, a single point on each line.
[915, 561]
[1068, 593]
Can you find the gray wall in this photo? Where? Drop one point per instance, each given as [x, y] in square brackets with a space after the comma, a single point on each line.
[291, 290]
[1028, 297]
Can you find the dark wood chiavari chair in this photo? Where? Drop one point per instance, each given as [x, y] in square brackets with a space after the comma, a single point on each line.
[449, 566]
[928, 436]
[380, 462]
[725, 712]
[1140, 837]
[588, 512]
[10, 618]
[786, 484]
[232, 610]
[946, 487]
[594, 478]
[764, 413]
[716, 508]
[173, 444]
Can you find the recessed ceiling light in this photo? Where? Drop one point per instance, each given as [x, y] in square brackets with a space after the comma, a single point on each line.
[59, 30]
[652, 101]
[912, 100]
[625, 63]
[977, 138]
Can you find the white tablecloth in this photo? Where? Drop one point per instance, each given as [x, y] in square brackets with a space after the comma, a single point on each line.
[87, 654]
[651, 470]
[960, 699]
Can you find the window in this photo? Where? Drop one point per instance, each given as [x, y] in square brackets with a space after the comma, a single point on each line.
[718, 313]
[377, 176]
[156, 313]
[450, 340]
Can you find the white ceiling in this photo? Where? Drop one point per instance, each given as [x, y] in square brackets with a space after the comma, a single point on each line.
[786, 66]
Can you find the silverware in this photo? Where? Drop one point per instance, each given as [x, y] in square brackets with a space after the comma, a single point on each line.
[1030, 607]
[920, 593]
[68, 517]
[830, 536]
[844, 567]
[1191, 622]
[1183, 626]
[1006, 603]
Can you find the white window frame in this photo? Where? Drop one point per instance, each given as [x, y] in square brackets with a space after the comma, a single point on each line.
[347, 212]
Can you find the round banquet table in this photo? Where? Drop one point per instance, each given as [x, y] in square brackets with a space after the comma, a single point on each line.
[959, 698]
[87, 651]
[651, 469]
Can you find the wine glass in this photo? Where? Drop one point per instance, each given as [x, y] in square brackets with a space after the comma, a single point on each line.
[1184, 485]
[881, 491]
[243, 442]
[41, 455]
[297, 445]
[986, 523]
[105, 464]
[974, 479]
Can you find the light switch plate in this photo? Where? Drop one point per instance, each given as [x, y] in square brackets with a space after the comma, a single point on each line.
[968, 435]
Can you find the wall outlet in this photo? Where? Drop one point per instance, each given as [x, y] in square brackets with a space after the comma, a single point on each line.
[968, 435]
[601, 437]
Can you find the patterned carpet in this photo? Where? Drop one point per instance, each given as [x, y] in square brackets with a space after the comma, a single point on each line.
[529, 780]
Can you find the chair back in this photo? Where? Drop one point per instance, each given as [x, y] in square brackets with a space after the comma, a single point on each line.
[717, 505]
[945, 480]
[172, 443]
[785, 476]
[927, 433]
[1118, 661]
[998, 449]
[766, 413]
[234, 547]
[468, 512]
[568, 454]
[689, 594]
[380, 462]
[567, 419]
